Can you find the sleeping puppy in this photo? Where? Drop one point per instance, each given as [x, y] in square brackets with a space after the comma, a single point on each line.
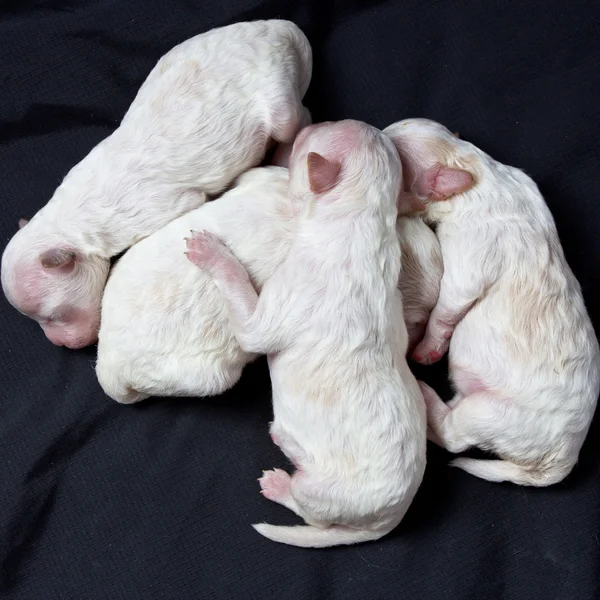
[348, 411]
[422, 269]
[165, 329]
[523, 357]
[206, 113]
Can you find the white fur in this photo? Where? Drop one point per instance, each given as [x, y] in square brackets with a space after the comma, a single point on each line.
[165, 329]
[348, 412]
[524, 358]
[205, 114]
[422, 269]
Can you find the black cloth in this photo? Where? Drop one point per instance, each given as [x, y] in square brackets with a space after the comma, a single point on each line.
[102, 501]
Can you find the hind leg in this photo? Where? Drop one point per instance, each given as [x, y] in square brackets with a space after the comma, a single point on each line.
[437, 411]
[470, 420]
[275, 486]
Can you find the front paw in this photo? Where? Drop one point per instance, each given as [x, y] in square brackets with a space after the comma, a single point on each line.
[205, 249]
[429, 351]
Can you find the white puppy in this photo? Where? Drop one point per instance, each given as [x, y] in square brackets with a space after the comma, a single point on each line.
[205, 114]
[523, 356]
[165, 329]
[422, 269]
[348, 412]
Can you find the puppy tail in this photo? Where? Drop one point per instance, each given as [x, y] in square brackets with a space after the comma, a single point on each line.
[503, 470]
[307, 536]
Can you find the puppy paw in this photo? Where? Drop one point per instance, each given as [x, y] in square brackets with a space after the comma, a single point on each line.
[275, 485]
[426, 353]
[205, 250]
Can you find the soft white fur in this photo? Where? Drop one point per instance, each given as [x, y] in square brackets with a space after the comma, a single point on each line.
[205, 114]
[422, 269]
[165, 329]
[348, 411]
[523, 355]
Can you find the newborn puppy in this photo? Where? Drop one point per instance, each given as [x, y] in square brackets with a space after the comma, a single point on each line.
[165, 329]
[348, 412]
[523, 356]
[422, 270]
[205, 114]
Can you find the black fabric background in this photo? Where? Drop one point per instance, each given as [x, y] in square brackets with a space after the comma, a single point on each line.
[101, 501]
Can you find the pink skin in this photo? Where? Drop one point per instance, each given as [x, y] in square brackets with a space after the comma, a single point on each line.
[466, 383]
[275, 486]
[75, 334]
[439, 183]
[435, 343]
[73, 328]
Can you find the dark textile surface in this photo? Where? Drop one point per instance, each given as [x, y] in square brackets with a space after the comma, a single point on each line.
[104, 501]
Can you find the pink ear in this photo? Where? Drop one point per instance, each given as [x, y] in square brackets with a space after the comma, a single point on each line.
[322, 173]
[57, 257]
[22, 223]
[439, 182]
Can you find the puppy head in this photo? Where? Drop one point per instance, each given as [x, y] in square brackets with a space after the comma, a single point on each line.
[437, 164]
[53, 282]
[339, 164]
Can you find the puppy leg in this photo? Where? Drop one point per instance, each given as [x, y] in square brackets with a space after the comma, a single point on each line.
[206, 251]
[471, 421]
[437, 411]
[275, 486]
[444, 318]
[458, 293]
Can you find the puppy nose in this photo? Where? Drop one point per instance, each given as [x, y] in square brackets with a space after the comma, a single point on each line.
[73, 337]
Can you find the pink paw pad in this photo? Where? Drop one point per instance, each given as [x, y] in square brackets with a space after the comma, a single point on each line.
[275, 484]
[204, 248]
[428, 357]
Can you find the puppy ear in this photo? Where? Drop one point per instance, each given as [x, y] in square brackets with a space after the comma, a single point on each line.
[22, 223]
[439, 182]
[323, 174]
[58, 257]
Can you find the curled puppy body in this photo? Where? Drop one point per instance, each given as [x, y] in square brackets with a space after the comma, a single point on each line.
[205, 114]
[523, 355]
[347, 410]
[165, 329]
[422, 269]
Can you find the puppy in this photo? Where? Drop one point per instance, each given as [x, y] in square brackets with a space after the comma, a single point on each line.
[422, 269]
[205, 114]
[523, 356]
[165, 329]
[348, 412]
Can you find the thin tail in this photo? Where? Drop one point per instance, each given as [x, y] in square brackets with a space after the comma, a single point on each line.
[503, 470]
[307, 536]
